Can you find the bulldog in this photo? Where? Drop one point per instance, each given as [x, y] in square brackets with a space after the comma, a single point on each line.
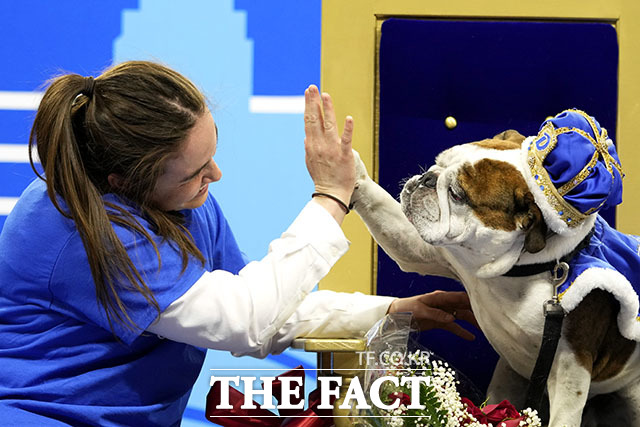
[476, 215]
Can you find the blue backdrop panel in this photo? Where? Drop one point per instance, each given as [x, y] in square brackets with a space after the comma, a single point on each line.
[77, 36]
[286, 60]
[15, 177]
[15, 126]
[490, 76]
[41, 40]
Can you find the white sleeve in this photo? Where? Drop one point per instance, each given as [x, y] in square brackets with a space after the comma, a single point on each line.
[328, 314]
[246, 313]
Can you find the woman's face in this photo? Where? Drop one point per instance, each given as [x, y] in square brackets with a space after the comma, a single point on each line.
[188, 173]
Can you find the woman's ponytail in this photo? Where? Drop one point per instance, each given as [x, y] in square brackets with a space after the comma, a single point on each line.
[63, 138]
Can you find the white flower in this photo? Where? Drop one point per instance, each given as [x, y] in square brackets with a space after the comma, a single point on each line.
[443, 384]
[396, 421]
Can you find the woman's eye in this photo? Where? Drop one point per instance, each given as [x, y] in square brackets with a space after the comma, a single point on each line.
[189, 181]
[455, 197]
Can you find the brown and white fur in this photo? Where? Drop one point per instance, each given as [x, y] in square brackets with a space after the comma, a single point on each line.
[471, 217]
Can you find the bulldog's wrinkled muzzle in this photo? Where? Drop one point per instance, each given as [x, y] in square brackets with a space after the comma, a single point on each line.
[429, 179]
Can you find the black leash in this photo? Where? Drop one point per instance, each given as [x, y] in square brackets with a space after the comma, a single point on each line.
[553, 318]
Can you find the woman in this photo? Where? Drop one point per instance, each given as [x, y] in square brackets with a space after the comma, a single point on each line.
[117, 264]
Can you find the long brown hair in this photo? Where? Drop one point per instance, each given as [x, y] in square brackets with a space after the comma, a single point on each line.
[126, 122]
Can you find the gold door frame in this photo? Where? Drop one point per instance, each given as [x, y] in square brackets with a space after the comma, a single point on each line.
[350, 30]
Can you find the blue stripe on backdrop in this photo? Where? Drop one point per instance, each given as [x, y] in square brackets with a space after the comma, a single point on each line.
[15, 126]
[14, 178]
[41, 38]
[286, 44]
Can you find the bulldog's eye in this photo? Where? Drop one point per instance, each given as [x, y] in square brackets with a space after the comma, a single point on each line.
[455, 197]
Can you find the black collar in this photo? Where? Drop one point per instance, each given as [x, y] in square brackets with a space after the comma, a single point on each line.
[533, 269]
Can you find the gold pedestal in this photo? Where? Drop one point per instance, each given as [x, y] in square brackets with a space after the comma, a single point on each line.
[337, 357]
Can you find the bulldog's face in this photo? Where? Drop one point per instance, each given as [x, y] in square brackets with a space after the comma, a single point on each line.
[476, 198]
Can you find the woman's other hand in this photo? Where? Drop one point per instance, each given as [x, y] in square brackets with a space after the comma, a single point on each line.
[438, 310]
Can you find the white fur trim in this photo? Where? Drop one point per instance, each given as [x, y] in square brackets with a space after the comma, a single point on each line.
[611, 281]
[551, 217]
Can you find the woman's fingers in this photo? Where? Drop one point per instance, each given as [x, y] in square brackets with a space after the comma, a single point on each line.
[443, 320]
[320, 118]
[433, 314]
[447, 300]
[467, 316]
[439, 310]
[313, 122]
[347, 134]
[328, 155]
[458, 330]
[329, 117]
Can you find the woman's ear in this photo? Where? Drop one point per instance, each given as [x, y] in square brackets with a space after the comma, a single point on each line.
[115, 181]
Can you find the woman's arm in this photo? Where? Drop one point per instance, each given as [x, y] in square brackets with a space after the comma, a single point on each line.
[240, 313]
[268, 304]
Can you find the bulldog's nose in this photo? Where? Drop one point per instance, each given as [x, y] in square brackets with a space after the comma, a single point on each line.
[428, 179]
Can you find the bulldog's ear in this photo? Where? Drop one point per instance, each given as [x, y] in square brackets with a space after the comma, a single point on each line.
[510, 135]
[529, 219]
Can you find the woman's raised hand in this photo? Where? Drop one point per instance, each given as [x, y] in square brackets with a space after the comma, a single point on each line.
[329, 157]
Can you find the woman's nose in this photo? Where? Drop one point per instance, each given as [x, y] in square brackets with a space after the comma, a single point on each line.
[213, 172]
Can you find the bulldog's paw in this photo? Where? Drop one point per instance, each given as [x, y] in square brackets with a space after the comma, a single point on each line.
[361, 170]
[361, 177]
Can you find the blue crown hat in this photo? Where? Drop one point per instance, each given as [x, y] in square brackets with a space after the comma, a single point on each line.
[573, 170]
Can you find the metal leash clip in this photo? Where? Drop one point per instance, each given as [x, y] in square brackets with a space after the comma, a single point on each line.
[558, 277]
[553, 319]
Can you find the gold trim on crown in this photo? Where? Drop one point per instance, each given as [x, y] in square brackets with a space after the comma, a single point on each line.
[535, 158]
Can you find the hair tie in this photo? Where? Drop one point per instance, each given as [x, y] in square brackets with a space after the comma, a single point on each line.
[342, 204]
[89, 85]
